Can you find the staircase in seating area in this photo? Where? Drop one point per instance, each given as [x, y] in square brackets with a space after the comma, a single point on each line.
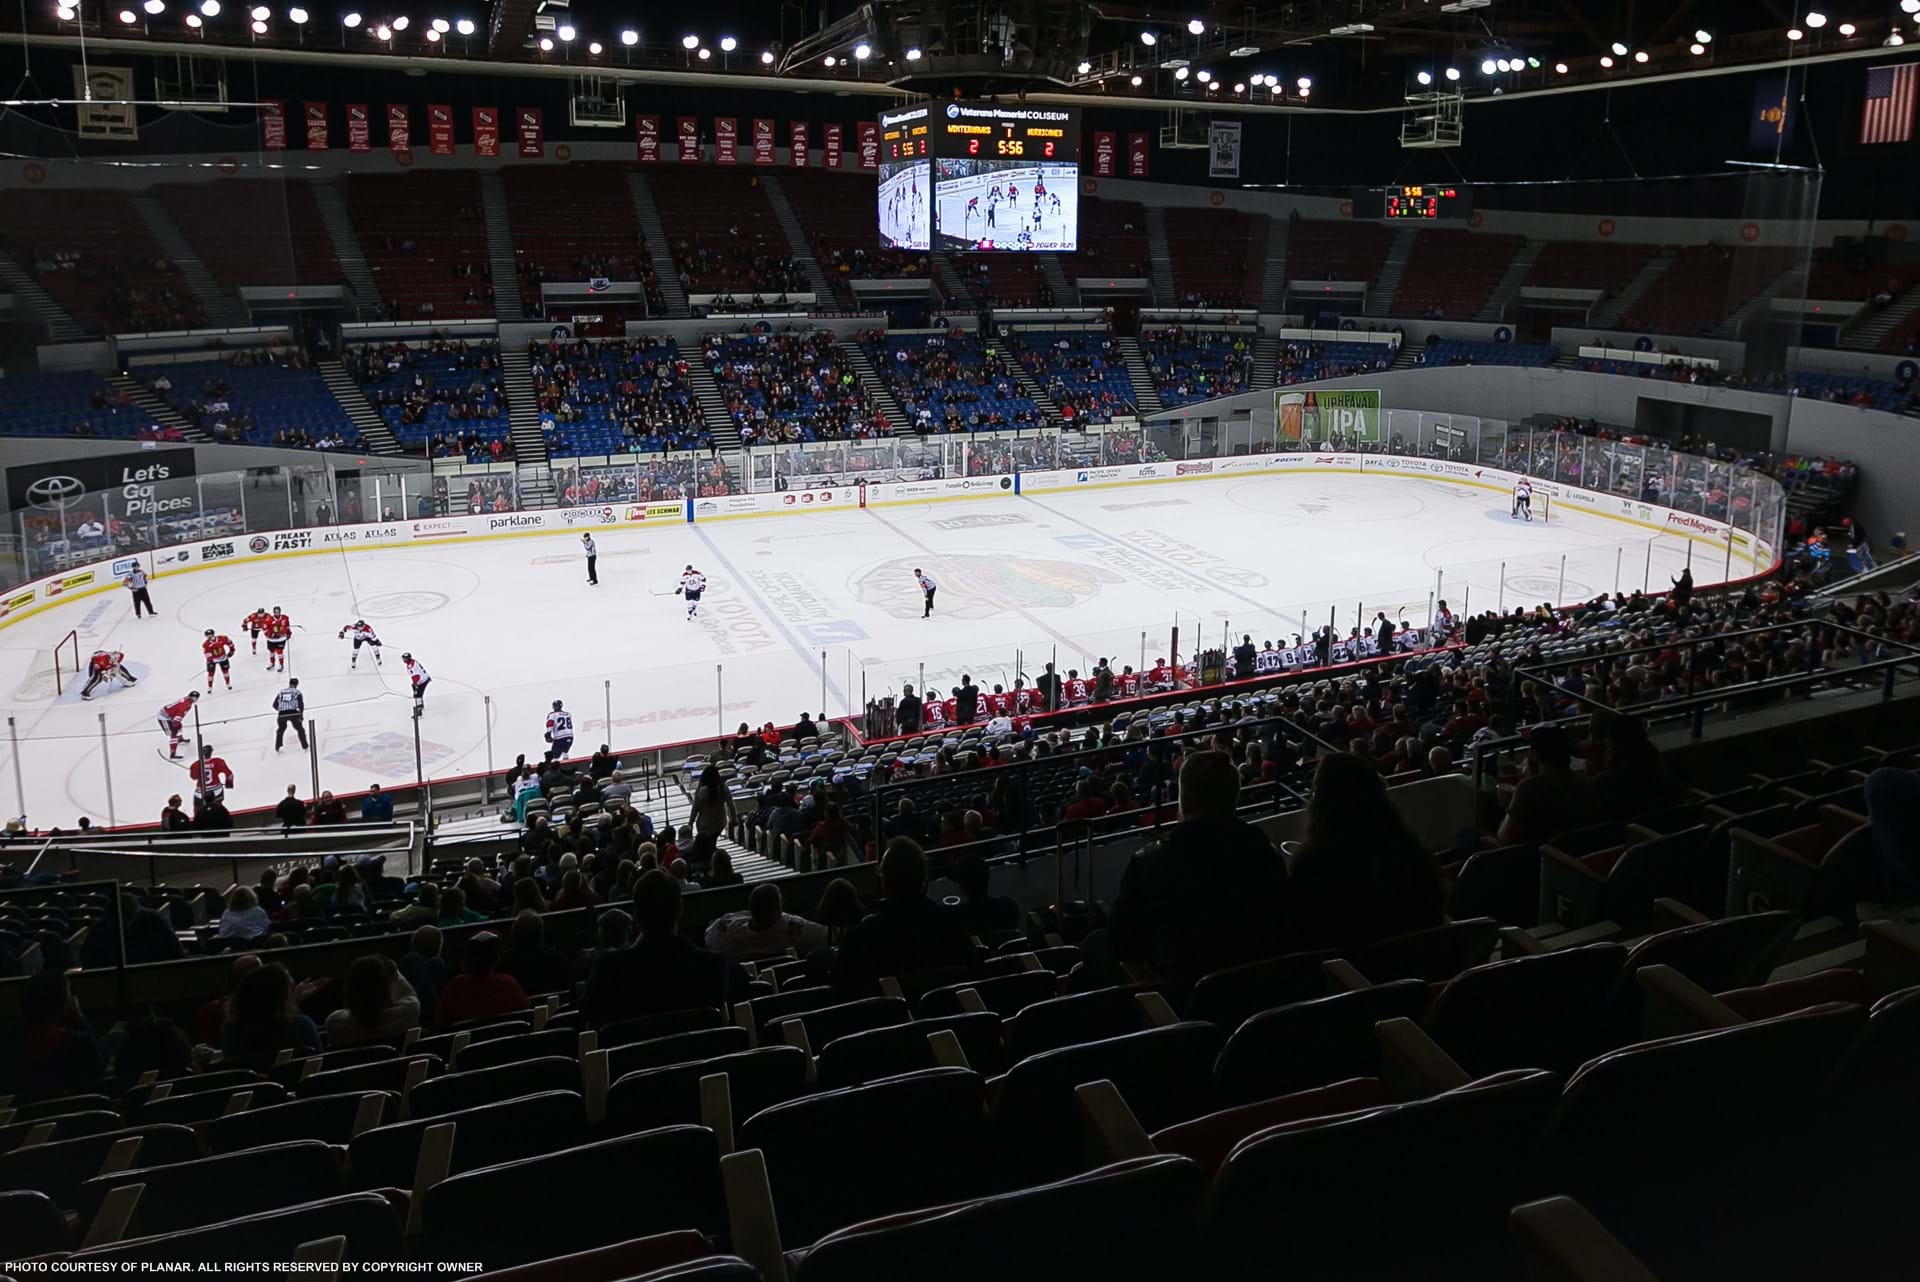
[1266, 360]
[797, 241]
[375, 434]
[1786, 284]
[1405, 356]
[661, 253]
[1065, 292]
[523, 409]
[1160, 257]
[713, 406]
[1380, 293]
[1273, 284]
[1607, 313]
[1865, 336]
[156, 410]
[1146, 396]
[224, 310]
[506, 281]
[1049, 411]
[537, 489]
[61, 326]
[365, 294]
[877, 388]
[958, 295]
[1495, 309]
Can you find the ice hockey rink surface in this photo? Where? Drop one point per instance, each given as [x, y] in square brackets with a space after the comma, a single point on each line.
[1055, 232]
[802, 613]
[903, 204]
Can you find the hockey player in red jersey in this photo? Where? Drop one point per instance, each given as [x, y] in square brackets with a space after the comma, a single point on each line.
[1023, 698]
[218, 648]
[255, 624]
[173, 721]
[1076, 687]
[278, 628]
[211, 778]
[1129, 683]
[999, 703]
[103, 666]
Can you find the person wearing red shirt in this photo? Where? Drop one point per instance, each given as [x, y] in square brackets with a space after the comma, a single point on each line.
[218, 648]
[211, 777]
[1076, 687]
[999, 703]
[479, 989]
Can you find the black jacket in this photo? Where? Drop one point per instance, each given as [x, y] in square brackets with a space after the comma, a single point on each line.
[907, 713]
[900, 937]
[1211, 893]
[659, 975]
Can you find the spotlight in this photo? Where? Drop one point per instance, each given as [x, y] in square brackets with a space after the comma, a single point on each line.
[1847, 29]
[1794, 33]
[913, 55]
[862, 52]
[383, 32]
[1305, 83]
[1196, 27]
[1606, 60]
[629, 37]
[1135, 82]
[193, 19]
[1425, 77]
[1640, 55]
[546, 44]
[1239, 88]
[689, 43]
[1180, 73]
[1503, 64]
[1534, 63]
[728, 44]
[259, 27]
[402, 22]
[209, 8]
[1213, 86]
[1306, 93]
[1082, 69]
[350, 21]
[155, 7]
[766, 57]
[830, 60]
[1453, 73]
[566, 34]
[1619, 50]
[1696, 49]
[1488, 67]
[706, 54]
[1705, 37]
[259, 13]
[1148, 39]
[465, 27]
[1559, 68]
[596, 48]
[65, 14]
[1910, 6]
[1204, 77]
[127, 16]
[1816, 20]
[433, 37]
[297, 16]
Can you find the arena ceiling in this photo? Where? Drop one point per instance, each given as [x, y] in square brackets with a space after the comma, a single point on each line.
[1304, 55]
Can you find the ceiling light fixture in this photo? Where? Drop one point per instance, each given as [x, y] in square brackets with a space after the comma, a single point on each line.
[441, 25]
[1816, 20]
[297, 16]
[402, 22]
[1424, 77]
[1148, 39]
[1559, 68]
[629, 37]
[1136, 82]
[566, 34]
[1606, 60]
[728, 44]
[1453, 73]
[766, 57]
[1847, 29]
[689, 43]
[350, 21]
[862, 52]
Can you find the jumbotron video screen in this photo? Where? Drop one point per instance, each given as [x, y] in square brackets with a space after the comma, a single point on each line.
[1005, 177]
[906, 183]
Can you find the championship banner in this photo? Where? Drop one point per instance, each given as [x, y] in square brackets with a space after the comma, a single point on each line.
[832, 144]
[273, 125]
[399, 129]
[107, 110]
[799, 150]
[359, 128]
[529, 124]
[726, 140]
[1223, 149]
[689, 140]
[316, 126]
[763, 142]
[1103, 154]
[869, 144]
[440, 129]
[646, 139]
[486, 131]
[1136, 155]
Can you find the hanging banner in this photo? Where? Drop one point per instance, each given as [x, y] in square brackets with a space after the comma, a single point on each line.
[763, 142]
[108, 110]
[1223, 149]
[529, 124]
[1103, 155]
[399, 129]
[316, 126]
[646, 139]
[726, 140]
[486, 131]
[832, 157]
[273, 125]
[440, 129]
[359, 128]
[869, 144]
[689, 140]
[799, 144]
[1136, 155]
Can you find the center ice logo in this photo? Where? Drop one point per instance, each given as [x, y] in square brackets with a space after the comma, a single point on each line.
[976, 586]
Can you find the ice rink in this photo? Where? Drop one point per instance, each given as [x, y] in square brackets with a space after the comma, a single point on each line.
[1055, 231]
[803, 612]
[903, 204]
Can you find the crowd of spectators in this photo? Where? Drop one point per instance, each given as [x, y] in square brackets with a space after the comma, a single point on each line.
[445, 391]
[1191, 365]
[142, 295]
[652, 480]
[948, 381]
[790, 387]
[1083, 372]
[590, 268]
[614, 395]
[229, 397]
[740, 268]
[1302, 361]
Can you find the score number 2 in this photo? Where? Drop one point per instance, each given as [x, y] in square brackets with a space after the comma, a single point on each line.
[1009, 147]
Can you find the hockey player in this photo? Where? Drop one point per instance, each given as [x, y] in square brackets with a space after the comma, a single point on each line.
[211, 778]
[278, 629]
[1076, 687]
[362, 635]
[1129, 683]
[418, 678]
[103, 666]
[1024, 699]
[256, 623]
[559, 732]
[219, 651]
[999, 702]
[173, 721]
[1160, 676]
[973, 208]
[1522, 499]
[934, 711]
[692, 584]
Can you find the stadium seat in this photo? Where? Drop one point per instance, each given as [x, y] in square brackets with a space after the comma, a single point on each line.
[1311, 1043]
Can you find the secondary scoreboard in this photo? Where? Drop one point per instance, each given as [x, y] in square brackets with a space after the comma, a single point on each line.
[1429, 202]
[996, 131]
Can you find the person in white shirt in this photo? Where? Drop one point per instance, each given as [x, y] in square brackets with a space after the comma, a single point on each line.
[559, 732]
[417, 675]
[928, 586]
[765, 929]
[592, 550]
[92, 530]
[692, 584]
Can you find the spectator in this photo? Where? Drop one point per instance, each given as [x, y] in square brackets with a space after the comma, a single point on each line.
[765, 929]
[210, 1017]
[244, 917]
[454, 910]
[479, 990]
[662, 970]
[266, 1017]
[1361, 874]
[839, 908]
[150, 938]
[981, 912]
[52, 1047]
[1211, 893]
[379, 1004]
[907, 933]
[425, 970]
[539, 969]
[174, 818]
[712, 812]
[612, 932]
[1550, 797]
[1628, 778]
[425, 910]
[376, 807]
[291, 812]
[604, 764]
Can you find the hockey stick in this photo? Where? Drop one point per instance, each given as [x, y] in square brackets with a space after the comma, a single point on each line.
[670, 592]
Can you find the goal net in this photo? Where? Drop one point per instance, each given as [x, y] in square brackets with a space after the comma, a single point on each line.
[53, 670]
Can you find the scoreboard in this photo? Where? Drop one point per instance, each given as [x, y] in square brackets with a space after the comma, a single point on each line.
[1015, 131]
[904, 134]
[1432, 202]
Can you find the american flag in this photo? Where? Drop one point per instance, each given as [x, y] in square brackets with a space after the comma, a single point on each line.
[1889, 111]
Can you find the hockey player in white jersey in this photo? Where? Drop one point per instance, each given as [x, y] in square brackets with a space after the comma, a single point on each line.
[1523, 499]
[692, 584]
[559, 732]
[418, 678]
[362, 634]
